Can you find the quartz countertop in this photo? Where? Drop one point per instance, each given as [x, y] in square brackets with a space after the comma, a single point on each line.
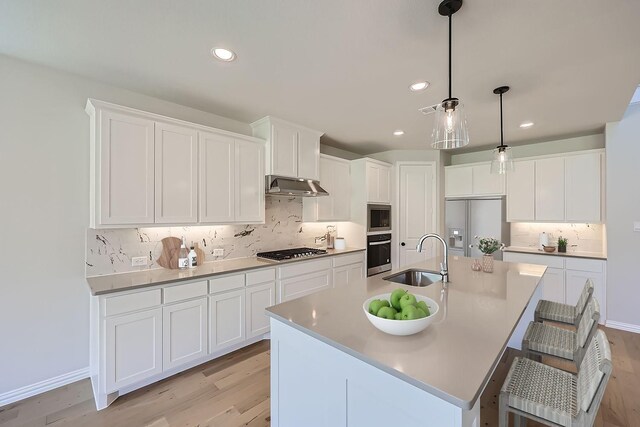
[570, 253]
[456, 355]
[152, 277]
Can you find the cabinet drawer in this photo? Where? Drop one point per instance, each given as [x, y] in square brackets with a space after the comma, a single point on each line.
[548, 260]
[131, 302]
[261, 276]
[226, 283]
[593, 265]
[339, 261]
[304, 268]
[184, 292]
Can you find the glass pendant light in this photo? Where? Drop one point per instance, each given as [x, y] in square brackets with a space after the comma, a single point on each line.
[502, 159]
[450, 129]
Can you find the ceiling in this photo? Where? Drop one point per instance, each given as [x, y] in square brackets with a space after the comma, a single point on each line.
[343, 67]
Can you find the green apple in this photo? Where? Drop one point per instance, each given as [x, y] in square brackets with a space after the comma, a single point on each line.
[421, 313]
[409, 312]
[398, 315]
[423, 305]
[387, 313]
[395, 298]
[407, 299]
[376, 305]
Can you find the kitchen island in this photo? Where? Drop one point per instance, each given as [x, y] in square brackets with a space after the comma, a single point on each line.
[331, 367]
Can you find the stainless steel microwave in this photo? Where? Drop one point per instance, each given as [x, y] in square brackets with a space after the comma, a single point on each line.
[378, 218]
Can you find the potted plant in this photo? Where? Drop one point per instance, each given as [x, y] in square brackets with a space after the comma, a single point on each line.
[488, 245]
[562, 244]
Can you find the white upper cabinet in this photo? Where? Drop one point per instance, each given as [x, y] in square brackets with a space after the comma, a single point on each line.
[122, 162]
[521, 191]
[335, 178]
[473, 180]
[583, 187]
[149, 169]
[249, 179]
[217, 178]
[378, 177]
[292, 150]
[550, 189]
[176, 174]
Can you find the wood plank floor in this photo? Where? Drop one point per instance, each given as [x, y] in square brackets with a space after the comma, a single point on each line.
[234, 391]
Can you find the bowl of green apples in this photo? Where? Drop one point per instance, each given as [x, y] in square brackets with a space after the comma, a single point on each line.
[400, 312]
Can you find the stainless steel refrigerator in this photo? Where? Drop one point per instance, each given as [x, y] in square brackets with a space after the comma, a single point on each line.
[467, 218]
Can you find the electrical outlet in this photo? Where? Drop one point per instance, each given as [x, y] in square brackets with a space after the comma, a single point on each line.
[636, 226]
[138, 261]
[218, 252]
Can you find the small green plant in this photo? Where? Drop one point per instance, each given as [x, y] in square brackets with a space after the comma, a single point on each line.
[562, 242]
[488, 245]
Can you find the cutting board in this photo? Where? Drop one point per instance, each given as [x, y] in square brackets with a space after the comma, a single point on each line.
[171, 251]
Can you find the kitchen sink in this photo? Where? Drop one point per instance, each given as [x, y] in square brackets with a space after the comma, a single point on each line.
[414, 277]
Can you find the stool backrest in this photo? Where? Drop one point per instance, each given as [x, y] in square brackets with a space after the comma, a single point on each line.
[587, 291]
[588, 322]
[595, 365]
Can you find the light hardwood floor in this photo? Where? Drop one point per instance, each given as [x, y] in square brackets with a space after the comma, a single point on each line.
[234, 391]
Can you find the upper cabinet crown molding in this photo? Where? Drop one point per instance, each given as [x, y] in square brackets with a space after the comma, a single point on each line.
[148, 169]
[291, 150]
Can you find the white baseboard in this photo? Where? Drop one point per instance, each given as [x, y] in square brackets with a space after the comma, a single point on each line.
[623, 326]
[42, 386]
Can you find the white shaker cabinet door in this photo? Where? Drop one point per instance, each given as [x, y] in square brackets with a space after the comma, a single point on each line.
[176, 174]
[306, 284]
[249, 182]
[458, 181]
[284, 150]
[259, 297]
[384, 184]
[583, 187]
[550, 189]
[126, 169]
[184, 332]
[308, 154]
[484, 182]
[576, 280]
[521, 192]
[553, 285]
[226, 319]
[217, 178]
[133, 348]
[341, 191]
[348, 274]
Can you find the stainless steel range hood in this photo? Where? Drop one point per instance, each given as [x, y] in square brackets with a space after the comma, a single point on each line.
[283, 186]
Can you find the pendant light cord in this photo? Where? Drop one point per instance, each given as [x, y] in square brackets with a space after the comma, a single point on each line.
[450, 21]
[501, 127]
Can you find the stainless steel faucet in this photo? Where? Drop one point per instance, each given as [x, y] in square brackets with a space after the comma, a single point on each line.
[444, 266]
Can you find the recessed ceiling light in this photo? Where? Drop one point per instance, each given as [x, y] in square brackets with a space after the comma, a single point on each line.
[525, 125]
[398, 132]
[223, 54]
[418, 86]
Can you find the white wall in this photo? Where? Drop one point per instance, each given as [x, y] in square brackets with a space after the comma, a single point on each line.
[623, 208]
[579, 143]
[44, 177]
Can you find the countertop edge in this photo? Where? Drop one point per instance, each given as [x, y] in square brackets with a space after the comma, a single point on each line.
[160, 282]
[466, 405]
[533, 251]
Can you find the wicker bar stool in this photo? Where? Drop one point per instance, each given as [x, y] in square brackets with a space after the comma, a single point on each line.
[546, 340]
[555, 397]
[564, 313]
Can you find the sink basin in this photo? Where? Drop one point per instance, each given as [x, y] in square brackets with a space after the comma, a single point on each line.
[415, 277]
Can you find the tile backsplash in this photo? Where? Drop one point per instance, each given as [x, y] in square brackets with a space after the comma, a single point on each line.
[110, 251]
[582, 237]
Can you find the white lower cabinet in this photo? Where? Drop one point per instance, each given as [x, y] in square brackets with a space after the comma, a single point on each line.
[553, 286]
[184, 332]
[348, 269]
[226, 319]
[133, 348]
[306, 284]
[258, 298]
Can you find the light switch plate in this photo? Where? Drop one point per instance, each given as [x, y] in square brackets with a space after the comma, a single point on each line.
[218, 252]
[636, 226]
[138, 261]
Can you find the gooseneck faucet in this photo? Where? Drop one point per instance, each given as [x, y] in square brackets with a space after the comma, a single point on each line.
[444, 266]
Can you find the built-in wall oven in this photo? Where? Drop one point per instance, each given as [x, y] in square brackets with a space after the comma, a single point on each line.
[378, 218]
[378, 253]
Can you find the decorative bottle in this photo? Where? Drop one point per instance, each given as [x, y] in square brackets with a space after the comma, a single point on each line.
[183, 256]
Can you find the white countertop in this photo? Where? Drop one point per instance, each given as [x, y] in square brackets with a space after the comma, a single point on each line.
[139, 279]
[454, 357]
[569, 253]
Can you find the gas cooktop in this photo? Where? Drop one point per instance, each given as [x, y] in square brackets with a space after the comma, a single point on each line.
[286, 254]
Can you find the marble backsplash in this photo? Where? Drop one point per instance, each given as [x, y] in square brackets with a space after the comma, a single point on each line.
[110, 251]
[582, 237]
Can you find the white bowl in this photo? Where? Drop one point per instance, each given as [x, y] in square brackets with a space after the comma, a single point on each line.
[401, 327]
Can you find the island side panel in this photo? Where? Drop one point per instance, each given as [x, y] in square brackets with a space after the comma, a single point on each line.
[315, 384]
